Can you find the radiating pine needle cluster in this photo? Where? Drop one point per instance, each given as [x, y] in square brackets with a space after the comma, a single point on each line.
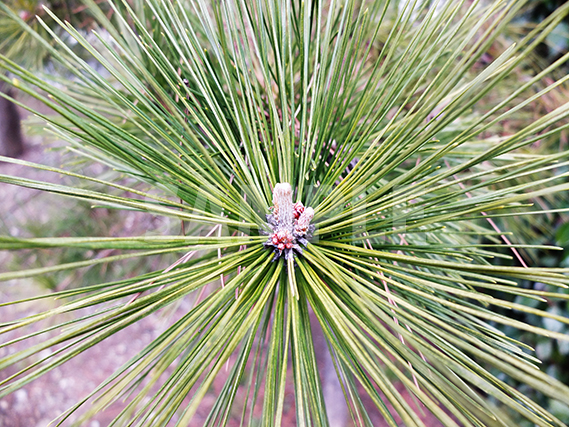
[376, 115]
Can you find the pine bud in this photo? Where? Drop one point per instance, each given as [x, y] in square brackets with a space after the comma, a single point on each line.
[289, 222]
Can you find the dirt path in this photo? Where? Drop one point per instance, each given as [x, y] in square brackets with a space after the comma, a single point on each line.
[39, 402]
